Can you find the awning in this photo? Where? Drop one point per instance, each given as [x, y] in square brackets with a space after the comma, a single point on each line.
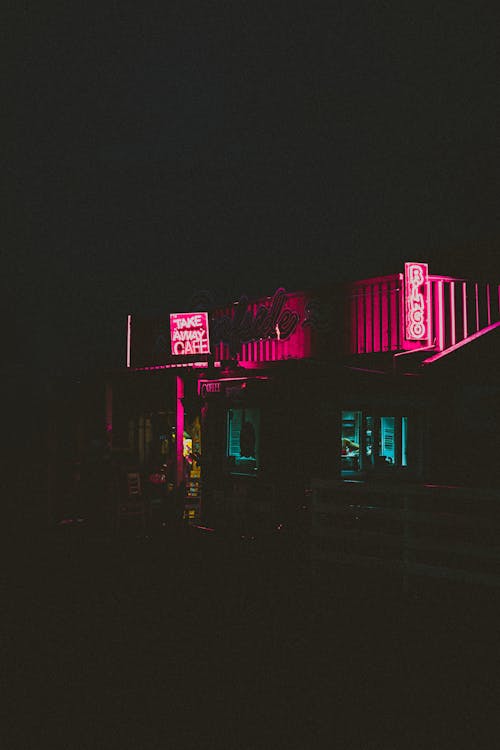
[477, 356]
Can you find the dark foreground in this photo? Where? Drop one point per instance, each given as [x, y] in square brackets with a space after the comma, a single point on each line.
[195, 641]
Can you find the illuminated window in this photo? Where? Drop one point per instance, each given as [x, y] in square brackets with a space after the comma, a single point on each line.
[243, 427]
[350, 442]
[371, 442]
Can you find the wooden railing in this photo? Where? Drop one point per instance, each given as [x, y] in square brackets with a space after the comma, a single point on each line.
[409, 530]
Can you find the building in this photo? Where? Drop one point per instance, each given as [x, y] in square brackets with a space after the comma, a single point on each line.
[240, 408]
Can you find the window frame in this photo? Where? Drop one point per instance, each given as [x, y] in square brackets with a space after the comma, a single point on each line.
[363, 462]
[239, 467]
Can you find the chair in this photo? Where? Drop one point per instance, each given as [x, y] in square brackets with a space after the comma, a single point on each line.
[134, 504]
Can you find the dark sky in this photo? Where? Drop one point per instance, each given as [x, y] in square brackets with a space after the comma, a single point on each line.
[164, 148]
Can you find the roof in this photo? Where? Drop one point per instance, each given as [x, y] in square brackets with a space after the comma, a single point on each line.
[475, 358]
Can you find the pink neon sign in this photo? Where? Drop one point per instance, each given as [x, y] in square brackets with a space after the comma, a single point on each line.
[189, 333]
[416, 301]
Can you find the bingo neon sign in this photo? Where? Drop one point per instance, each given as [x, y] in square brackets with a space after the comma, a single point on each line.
[416, 301]
[189, 333]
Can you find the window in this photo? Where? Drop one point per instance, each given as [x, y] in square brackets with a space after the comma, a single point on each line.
[373, 442]
[243, 426]
[351, 427]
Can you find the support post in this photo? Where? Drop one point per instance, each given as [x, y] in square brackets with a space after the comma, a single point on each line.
[109, 415]
[179, 429]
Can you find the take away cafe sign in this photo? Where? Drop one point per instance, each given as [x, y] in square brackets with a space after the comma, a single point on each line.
[189, 333]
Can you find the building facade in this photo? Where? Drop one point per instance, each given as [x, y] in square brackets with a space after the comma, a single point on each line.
[240, 408]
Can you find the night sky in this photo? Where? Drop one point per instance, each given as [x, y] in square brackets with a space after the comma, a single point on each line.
[166, 148]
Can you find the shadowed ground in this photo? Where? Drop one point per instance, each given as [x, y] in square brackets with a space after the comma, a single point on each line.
[190, 640]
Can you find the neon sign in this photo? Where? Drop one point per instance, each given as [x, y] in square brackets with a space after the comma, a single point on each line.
[416, 301]
[228, 387]
[276, 322]
[189, 333]
[213, 387]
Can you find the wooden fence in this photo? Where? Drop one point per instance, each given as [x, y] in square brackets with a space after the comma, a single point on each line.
[412, 531]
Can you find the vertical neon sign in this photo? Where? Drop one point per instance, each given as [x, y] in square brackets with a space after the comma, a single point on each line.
[416, 301]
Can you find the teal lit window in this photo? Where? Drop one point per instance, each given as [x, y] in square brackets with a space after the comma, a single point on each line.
[373, 442]
[243, 428]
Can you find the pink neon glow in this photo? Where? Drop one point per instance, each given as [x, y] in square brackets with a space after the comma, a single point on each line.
[462, 343]
[394, 315]
[464, 308]
[368, 320]
[230, 380]
[440, 315]
[213, 386]
[179, 430]
[129, 326]
[376, 314]
[360, 317]
[452, 314]
[412, 351]
[384, 301]
[457, 305]
[370, 369]
[376, 319]
[189, 333]
[195, 365]
[416, 301]
[290, 325]
[291, 314]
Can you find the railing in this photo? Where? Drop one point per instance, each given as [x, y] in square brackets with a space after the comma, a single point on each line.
[459, 308]
[409, 530]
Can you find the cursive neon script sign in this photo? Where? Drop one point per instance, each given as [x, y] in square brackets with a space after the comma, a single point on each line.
[189, 333]
[416, 301]
[275, 321]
